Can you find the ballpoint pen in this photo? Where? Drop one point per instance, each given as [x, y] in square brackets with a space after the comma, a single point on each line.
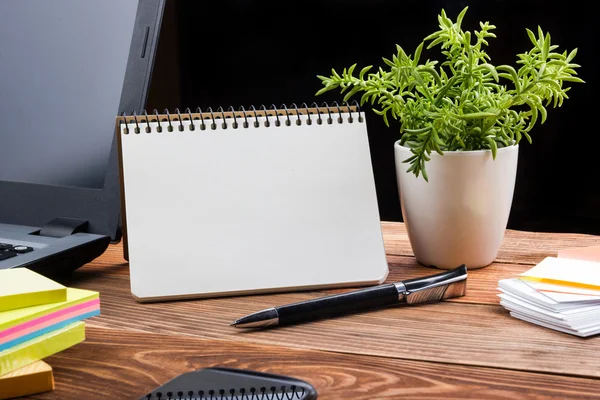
[452, 283]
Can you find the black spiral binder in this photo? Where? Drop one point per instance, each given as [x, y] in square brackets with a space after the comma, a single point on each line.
[242, 118]
[232, 384]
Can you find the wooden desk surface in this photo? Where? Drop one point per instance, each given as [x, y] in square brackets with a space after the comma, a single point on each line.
[464, 348]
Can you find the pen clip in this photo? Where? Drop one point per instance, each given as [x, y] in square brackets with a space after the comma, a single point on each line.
[433, 288]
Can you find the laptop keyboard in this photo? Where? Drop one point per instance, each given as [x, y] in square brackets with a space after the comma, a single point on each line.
[12, 250]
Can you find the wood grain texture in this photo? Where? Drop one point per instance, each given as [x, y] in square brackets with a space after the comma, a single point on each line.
[469, 334]
[472, 335]
[481, 282]
[115, 364]
[518, 247]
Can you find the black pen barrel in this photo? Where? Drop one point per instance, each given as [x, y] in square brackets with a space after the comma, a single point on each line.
[338, 304]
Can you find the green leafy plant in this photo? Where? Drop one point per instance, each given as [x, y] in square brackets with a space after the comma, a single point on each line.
[461, 104]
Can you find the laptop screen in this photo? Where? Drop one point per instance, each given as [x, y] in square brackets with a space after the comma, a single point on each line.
[62, 66]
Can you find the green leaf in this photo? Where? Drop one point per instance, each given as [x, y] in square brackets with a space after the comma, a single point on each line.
[323, 90]
[572, 79]
[364, 98]
[410, 159]
[546, 48]
[352, 92]
[551, 82]
[418, 54]
[572, 55]
[493, 146]
[436, 42]
[388, 62]
[351, 69]
[420, 130]
[433, 73]
[383, 113]
[532, 37]
[543, 111]
[424, 172]
[467, 41]
[477, 115]
[364, 71]
[432, 36]
[460, 17]
[534, 113]
[517, 137]
[513, 74]
[400, 52]
[490, 68]
[417, 77]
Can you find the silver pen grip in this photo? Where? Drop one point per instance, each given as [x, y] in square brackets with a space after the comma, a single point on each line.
[434, 288]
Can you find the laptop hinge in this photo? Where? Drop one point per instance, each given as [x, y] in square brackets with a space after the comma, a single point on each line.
[61, 227]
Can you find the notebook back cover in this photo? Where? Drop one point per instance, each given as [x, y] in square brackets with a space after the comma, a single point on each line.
[233, 384]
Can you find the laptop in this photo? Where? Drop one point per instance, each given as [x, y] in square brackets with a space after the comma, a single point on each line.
[67, 68]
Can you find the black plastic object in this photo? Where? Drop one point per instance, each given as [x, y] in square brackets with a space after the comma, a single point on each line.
[61, 227]
[338, 304]
[64, 262]
[232, 384]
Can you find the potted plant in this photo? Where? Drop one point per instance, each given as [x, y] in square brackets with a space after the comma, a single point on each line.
[461, 122]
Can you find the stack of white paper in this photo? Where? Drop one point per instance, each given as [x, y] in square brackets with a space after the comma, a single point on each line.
[558, 293]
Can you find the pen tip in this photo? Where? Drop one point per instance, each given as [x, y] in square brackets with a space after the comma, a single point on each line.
[234, 323]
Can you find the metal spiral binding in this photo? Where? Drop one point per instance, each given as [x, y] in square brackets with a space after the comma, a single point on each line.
[202, 124]
[173, 122]
[274, 108]
[263, 393]
[192, 127]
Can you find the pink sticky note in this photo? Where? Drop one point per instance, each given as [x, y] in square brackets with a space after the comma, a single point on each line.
[591, 253]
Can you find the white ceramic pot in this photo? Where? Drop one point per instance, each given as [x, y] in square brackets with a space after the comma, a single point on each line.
[460, 215]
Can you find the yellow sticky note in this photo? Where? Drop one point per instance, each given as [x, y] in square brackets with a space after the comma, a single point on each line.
[18, 316]
[565, 271]
[41, 347]
[21, 287]
[30, 379]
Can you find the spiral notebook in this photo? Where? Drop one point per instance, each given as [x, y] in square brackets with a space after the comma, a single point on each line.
[233, 202]
[232, 384]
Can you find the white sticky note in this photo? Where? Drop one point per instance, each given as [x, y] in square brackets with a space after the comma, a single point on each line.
[564, 271]
[566, 293]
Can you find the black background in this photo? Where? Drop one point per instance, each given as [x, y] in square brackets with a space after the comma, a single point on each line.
[222, 53]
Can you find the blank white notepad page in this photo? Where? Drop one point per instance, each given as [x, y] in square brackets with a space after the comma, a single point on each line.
[228, 211]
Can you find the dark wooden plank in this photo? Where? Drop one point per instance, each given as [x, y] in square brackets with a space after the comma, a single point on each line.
[518, 247]
[113, 364]
[444, 332]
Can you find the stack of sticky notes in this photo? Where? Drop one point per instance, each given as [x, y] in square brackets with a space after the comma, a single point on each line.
[558, 293]
[38, 318]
